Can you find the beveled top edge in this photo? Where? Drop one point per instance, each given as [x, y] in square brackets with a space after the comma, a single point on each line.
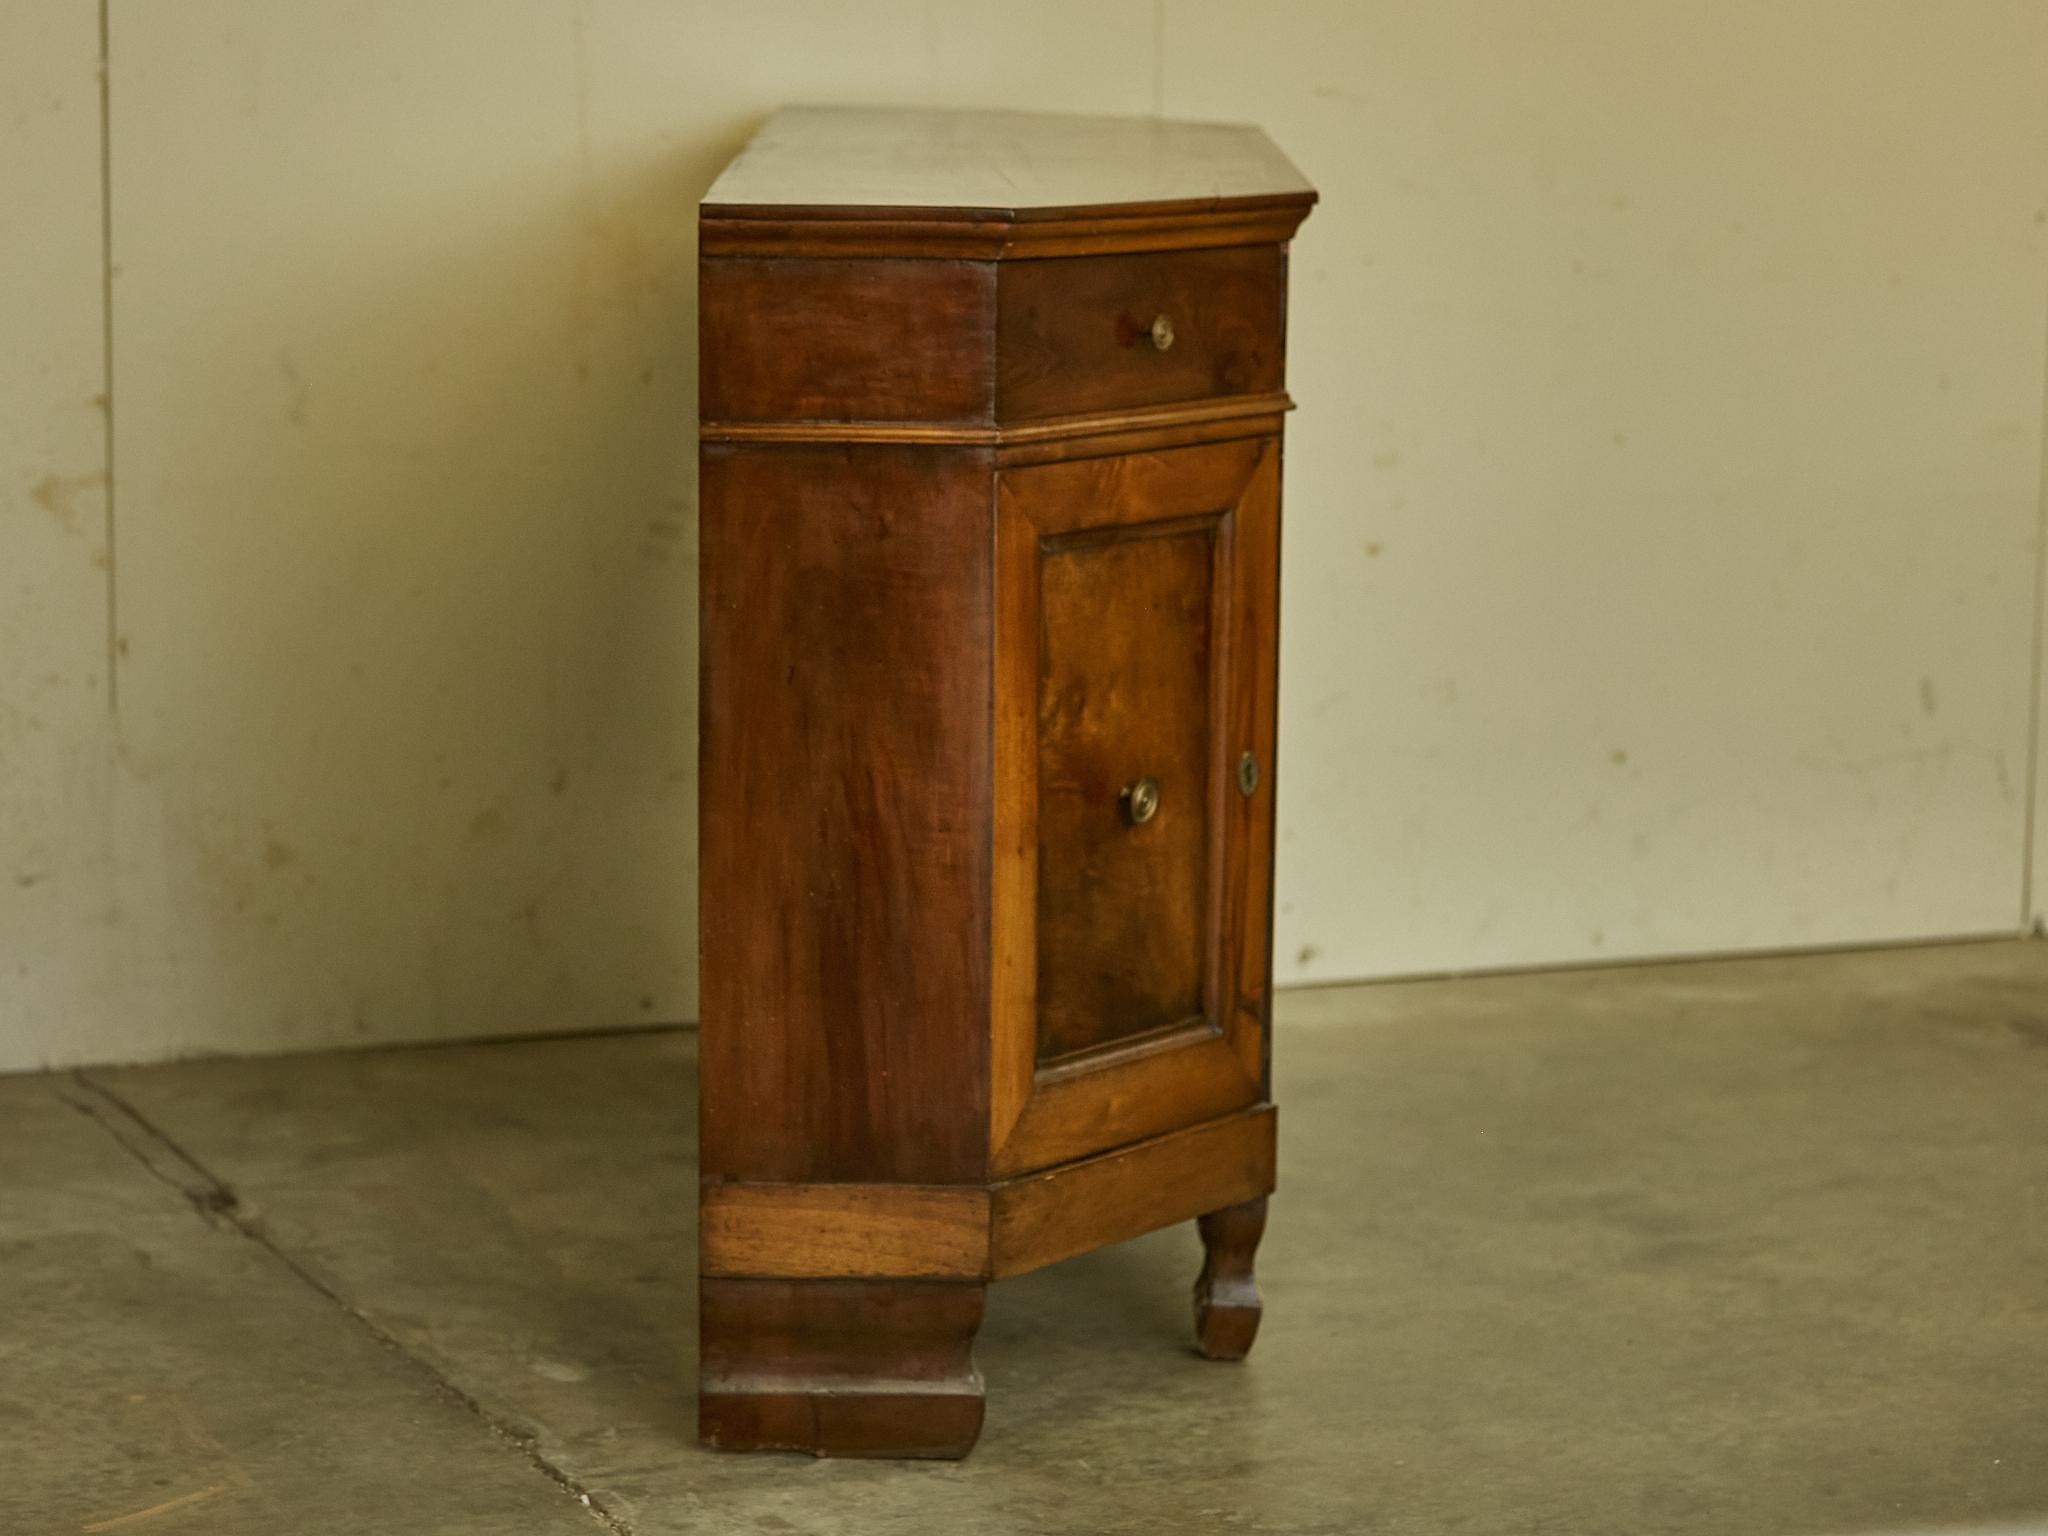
[995, 218]
[828, 163]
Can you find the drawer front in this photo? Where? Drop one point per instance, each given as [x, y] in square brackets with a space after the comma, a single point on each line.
[1085, 333]
[1133, 837]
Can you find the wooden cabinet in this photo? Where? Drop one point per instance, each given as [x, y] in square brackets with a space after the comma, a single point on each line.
[990, 496]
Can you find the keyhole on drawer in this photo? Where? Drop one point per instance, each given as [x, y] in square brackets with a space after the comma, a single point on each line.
[1247, 774]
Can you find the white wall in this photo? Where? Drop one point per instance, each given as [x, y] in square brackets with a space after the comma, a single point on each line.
[1662, 504]
[59, 928]
[1665, 491]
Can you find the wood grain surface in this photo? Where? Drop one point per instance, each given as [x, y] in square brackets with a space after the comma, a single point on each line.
[846, 1231]
[839, 1367]
[1074, 887]
[952, 234]
[1090, 434]
[839, 340]
[846, 769]
[1051, 1216]
[1124, 695]
[1074, 335]
[823, 1231]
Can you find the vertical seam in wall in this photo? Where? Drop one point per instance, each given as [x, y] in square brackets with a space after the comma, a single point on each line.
[107, 354]
[2034, 662]
[1158, 58]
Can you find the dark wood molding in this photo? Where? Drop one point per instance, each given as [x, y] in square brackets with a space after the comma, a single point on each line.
[996, 234]
[844, 1231]
[1054, 1215]
[984, 1232]
[1252, 414]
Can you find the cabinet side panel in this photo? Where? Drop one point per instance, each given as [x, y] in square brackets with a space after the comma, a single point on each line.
[845, 817]
[839, 340]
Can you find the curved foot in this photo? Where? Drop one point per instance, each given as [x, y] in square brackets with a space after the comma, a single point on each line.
[839, 1367]
[1226, 1299]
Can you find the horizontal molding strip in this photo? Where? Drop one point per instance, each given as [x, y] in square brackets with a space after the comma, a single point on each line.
[843, 1231]
[1186, 413]
[976, 1232]
[987, 234]
[1041, 1218]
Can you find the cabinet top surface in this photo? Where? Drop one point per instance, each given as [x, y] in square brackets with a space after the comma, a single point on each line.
[1007, 162]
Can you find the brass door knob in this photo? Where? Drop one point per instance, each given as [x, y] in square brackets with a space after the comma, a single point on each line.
[1162, 332]
[1140, 801]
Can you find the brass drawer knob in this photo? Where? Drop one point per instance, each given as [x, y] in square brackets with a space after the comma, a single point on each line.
[1162, 332]
[1140, 801]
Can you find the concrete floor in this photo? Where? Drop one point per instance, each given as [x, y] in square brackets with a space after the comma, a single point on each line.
[1747, 1247]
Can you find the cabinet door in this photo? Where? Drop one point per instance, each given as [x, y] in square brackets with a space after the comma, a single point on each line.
[1133, 817]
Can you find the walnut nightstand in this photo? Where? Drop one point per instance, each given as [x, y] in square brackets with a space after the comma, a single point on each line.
[992, 413]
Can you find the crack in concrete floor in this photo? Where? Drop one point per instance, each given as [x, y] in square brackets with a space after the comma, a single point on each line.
[215, 1202]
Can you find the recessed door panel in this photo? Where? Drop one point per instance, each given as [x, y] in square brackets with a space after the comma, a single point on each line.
[1125, 743]
[1134, 699]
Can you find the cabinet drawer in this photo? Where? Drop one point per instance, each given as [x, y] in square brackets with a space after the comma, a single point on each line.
[1100, 333]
